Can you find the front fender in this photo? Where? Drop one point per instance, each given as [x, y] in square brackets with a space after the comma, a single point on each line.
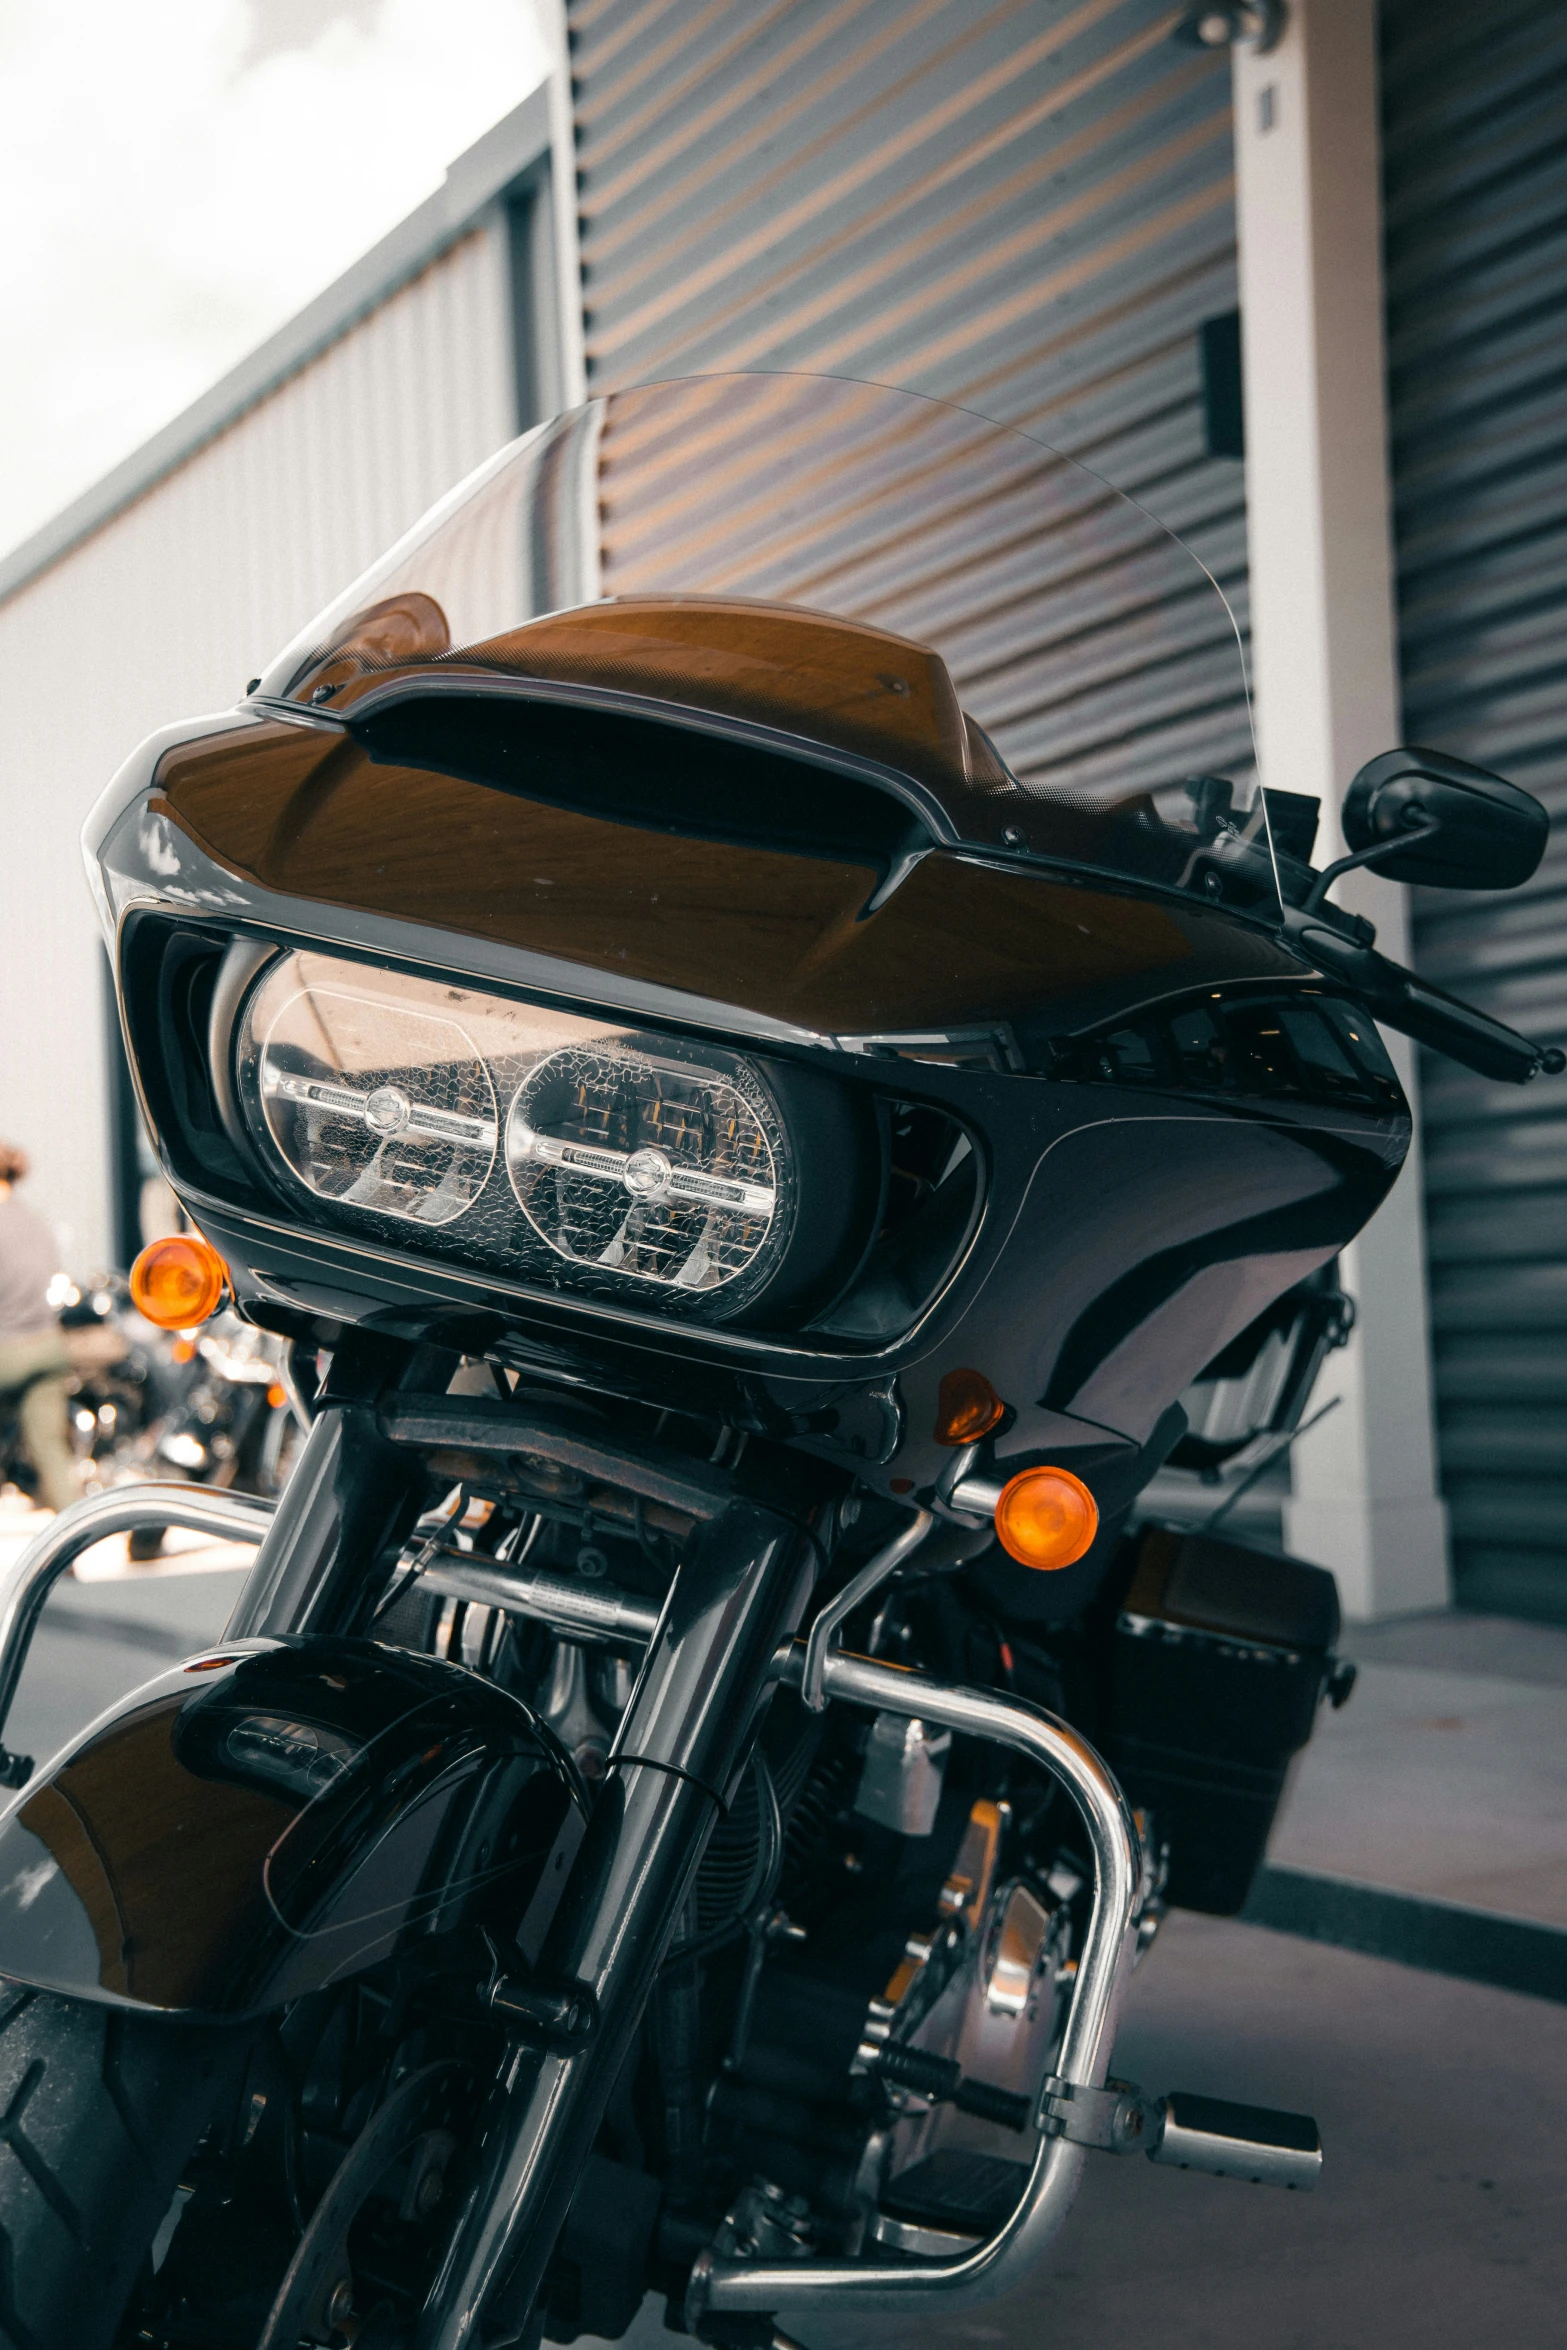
[269, 1819]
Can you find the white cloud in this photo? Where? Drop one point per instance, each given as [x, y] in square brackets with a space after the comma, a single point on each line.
[179, 177]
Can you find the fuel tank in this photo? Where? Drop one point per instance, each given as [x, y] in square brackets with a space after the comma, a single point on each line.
[273, 1818]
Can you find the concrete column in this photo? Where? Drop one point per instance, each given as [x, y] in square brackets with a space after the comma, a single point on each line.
[572, 363]
[1308, 210]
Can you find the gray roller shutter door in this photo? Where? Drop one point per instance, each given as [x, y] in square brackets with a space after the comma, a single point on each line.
[1026, 207]
[1475, 106]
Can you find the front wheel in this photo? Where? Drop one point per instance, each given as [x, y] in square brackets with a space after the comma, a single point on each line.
[99, 2109]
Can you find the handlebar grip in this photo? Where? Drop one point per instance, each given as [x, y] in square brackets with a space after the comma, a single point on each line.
[1433, 1018]
[1465, 1035]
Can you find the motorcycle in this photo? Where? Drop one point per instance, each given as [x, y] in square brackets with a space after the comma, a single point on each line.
[742, 995]
[216, 1407]
[119, 1385]
[233, 1422]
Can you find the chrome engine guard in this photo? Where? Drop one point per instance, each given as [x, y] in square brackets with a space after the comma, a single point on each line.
[1001, 2262]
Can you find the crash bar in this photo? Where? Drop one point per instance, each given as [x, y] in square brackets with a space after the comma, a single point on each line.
[26, 1584]
[1002, 2260]
[598, 1611]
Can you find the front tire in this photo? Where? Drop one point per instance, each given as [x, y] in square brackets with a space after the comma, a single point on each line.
[99, 2109]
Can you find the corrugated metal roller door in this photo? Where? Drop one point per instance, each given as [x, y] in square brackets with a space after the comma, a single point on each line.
[1024, 207]
[1476, 162]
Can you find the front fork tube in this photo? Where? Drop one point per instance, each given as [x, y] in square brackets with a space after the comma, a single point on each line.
[351, 1501]
[740, 1592]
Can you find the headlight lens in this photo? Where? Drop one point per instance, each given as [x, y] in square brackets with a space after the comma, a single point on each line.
[376, 1104]
[665, 1171]
[631, 1163]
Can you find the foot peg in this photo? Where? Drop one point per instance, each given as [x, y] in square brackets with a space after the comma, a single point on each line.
[1239, 2141]
[1190, 2133]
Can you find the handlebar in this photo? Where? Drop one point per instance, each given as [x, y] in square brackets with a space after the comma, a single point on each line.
[1401, 1000]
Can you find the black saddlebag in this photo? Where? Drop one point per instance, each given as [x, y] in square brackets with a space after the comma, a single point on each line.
[1221, 1656]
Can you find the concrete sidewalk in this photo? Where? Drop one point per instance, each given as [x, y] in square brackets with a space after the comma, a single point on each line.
[1446, 1773]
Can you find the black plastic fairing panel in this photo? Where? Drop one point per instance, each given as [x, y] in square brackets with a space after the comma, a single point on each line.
[266, 1821]
[1170, 1121]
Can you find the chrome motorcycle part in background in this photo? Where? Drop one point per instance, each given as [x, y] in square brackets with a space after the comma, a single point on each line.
[904, 1770]
[581, 1610]
[1252, 2142]
[460, 1423]
[1238, 2141]
[738, 1593]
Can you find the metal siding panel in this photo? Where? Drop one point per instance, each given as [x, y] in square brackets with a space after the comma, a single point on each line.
[1012, 205]
[1475, 155]
[1026, 208]
[167, 610]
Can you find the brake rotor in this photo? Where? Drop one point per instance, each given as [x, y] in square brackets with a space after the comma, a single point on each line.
[319, 2299]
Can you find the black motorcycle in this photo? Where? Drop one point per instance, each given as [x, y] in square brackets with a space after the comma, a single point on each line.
[740, 993]
[120, 1386]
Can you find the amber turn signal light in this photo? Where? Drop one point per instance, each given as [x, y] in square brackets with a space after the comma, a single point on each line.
[967, 1408]
[179, 1281]
[1046, 1518]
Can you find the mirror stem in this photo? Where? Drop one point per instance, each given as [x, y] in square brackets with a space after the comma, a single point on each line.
[1382, 848]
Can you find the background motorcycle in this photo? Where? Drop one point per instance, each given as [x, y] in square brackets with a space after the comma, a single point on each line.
[763, 1176]
[210, 1407]
[229, 1420]
[124, 1379]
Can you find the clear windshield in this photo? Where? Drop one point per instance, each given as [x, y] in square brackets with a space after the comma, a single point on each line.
[876, 574]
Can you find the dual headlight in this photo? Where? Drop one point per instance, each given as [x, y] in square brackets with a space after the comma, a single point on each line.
[543, 1144]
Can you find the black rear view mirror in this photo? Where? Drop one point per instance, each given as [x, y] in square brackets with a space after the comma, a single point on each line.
[1419, 815]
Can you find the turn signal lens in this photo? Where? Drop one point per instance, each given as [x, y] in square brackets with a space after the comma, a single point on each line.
[1046, 1518]
[179, 1281]
[967, 1408]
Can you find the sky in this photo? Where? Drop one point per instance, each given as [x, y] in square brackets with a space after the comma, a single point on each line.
[179, 176]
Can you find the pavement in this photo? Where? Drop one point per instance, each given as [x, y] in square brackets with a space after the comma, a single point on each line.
[1446, 1773]
[1443, 2104]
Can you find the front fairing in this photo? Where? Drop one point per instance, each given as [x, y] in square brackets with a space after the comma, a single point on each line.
[889, 745]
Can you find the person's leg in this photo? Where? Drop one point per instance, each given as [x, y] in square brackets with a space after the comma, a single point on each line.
[36, 1368]
[46, 1438]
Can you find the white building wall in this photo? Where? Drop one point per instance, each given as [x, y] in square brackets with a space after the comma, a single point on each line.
[167, 610]
[1319, 541]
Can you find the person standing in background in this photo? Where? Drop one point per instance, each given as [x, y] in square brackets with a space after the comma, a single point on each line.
[34, 1364]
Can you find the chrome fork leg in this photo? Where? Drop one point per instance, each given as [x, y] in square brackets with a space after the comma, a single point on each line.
[352, 1497]
[686, 1732]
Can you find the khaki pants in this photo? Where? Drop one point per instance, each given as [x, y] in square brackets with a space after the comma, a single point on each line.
[33, 1373]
